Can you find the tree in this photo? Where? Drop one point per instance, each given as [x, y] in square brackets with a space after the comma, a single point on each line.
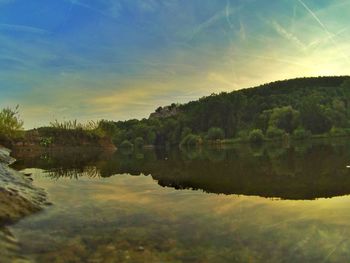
[215, 133]
[314, 118]
[11, 126]
[108, 128]
[139, 142]
[284, 118]
[256, 136]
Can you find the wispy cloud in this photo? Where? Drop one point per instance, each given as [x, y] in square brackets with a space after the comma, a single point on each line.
[112, 8]
[228, 14]
[22, 28]
[222, 14]
[323, 26]
[120, 59]
[287, 35]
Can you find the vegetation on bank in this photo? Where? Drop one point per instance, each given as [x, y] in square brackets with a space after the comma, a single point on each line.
[66, 133]
[292, 109]
[11, 125]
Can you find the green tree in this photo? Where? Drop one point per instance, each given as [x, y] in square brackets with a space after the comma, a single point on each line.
[314, 117]
[256, 136]
[284, 118]
[139, 142]
[215, 133]
[11, 126]
[274, 133]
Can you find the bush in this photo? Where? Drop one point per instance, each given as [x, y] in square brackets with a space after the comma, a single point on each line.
[126, 144]
[274, 133]
[301, 134]
[11, 127]
[46, 141]
[244, 135]
[256, 136]
[347, 131]
[337, 132]
[191, 140]
[215, 133]
[139, 142]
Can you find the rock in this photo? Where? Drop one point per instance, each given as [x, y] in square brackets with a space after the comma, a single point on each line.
[5, 156]
[18, 198]
[164, 112]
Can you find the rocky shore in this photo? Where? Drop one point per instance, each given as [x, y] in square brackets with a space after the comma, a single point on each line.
[18, 198]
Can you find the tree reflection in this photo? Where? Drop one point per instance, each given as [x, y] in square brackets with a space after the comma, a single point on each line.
[299, 171]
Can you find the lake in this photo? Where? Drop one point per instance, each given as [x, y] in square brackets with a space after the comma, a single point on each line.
[271, 203]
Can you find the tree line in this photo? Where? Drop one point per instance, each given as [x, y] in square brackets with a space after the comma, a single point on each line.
[297, 108]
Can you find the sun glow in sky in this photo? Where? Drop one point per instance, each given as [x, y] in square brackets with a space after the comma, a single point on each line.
[121, 59]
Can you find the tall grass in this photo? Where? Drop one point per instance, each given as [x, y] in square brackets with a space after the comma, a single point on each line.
[75, 125]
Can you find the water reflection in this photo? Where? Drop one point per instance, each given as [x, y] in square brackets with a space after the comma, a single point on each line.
[300, 171]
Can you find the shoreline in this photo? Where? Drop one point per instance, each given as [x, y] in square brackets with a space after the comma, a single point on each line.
[19, 198]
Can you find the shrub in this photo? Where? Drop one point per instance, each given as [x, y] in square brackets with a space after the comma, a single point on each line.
[301, 134]
[215, 133]
[139, 142]
[274, 133]
[46, 141]
[256, 136]
[126, 144]
[337, 132]
[284, 118]
[244, 135]
[11, 126]
[185, 131]
[191, 140]
[347, 131]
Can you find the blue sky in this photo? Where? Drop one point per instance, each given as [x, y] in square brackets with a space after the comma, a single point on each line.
[121, 59]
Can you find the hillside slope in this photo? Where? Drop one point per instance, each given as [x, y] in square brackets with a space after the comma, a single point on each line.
[297, 107]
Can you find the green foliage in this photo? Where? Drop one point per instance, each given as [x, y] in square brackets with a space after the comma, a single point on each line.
[314, 117]
[46, 141]
[191, 140]
[301, 134]
[66, 137]
[284, 118]
[107, 128]
[126, 144]
[312, 104]
[11, 126]
[215, 133]
[74, 125]
[243, 135]
[256, 136]
[185, 131]
[274, 133]
[139, 142]
[338, 132]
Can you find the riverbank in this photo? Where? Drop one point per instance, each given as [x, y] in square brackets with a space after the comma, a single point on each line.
[18, 198]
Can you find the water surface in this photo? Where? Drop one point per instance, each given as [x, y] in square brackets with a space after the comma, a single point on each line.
[274, 203]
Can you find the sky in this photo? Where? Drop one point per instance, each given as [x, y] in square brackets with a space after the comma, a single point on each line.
[121, 59]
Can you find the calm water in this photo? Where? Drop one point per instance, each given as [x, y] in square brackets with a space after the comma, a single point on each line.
[275, 203]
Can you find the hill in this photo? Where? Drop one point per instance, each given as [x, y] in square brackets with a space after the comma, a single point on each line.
[298, 107]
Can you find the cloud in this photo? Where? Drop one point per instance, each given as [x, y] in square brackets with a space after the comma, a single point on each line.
[22, 28]
[110, 8]
[323, 26]
[222, 14]
[287, 35]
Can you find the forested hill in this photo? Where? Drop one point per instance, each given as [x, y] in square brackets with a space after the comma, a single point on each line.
[299, 107]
